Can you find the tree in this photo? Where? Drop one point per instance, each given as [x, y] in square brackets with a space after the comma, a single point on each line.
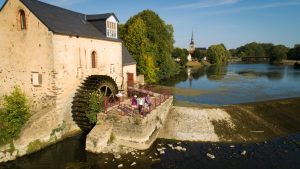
[139, 46]
[277, 53]
[294, 53]
[148, 33]
[181, 54]
[217, 54]
[151, 70]
[197, 54]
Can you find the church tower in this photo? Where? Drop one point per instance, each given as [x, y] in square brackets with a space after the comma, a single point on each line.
[191, 48]
[192, 44]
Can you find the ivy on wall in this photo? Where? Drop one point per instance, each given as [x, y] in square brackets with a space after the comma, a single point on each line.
[14, 113]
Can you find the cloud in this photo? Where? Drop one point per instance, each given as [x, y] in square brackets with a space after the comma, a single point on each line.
[276, 4]
[256, 7]
[205, 4]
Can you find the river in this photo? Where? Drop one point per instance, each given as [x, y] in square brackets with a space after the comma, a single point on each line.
[236, 83]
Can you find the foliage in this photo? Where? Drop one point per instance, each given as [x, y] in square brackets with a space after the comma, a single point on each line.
[146, 34]
[252, 50]
[95, 106]
[198, 54]
[181, 54]
[150, 68]
[277, 53]
[217, 54]
[262, 50]
[294, 53]
[14, 115]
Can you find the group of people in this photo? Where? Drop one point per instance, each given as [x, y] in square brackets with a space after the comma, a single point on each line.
[140, 103]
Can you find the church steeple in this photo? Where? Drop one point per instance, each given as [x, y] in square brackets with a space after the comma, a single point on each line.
[192, 44]
[192, 39]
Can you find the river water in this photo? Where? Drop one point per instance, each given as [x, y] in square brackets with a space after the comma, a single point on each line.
[236, 83]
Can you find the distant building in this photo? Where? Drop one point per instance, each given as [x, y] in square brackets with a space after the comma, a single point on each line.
[191, 48]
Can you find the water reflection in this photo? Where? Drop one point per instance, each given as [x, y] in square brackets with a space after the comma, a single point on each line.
[243, 83]
[216, 72]
[272, 75]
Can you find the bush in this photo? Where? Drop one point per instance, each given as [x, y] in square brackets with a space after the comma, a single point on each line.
[13, 116]
[95, 106]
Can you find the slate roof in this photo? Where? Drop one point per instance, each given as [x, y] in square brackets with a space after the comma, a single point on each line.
[63, 21]
[126, 57]
[100, 16]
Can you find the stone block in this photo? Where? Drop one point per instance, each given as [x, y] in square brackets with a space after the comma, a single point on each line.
[98, 138]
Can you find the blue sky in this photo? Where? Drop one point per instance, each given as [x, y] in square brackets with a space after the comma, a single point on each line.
[232, 22]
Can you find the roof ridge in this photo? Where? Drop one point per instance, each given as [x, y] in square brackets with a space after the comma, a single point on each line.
[61, 8]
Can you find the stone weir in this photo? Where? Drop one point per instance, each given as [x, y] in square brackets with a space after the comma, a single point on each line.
[121, 133]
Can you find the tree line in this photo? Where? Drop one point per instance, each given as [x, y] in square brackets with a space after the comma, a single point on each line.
[275, 53]
[215, 54]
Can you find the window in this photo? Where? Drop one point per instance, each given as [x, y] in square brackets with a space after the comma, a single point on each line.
[36, 79]
[111, 29]
[22, 20]
[94, 59]
[112, 68]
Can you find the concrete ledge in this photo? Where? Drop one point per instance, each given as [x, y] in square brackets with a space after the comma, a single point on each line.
[98, 138]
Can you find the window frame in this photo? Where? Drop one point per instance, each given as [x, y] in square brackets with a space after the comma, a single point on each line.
[22, 20]
[94, 59]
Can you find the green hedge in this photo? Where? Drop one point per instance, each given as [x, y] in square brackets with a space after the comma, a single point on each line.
[14, 114]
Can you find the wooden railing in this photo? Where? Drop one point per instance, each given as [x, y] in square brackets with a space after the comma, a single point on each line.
[125, 109]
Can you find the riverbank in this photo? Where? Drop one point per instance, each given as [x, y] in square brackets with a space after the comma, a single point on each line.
[240, 123]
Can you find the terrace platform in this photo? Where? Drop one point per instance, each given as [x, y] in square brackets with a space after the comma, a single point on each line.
[121, 126]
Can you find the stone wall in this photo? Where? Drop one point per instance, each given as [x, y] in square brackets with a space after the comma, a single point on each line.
[61, 62]
[133, 132]
[23, 52]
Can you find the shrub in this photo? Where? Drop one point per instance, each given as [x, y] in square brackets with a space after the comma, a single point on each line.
[13, 116]
[95, 106]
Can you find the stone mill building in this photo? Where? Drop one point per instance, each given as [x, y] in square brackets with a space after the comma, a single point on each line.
[53, 54]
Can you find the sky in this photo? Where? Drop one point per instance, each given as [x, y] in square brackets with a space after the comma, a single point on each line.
[231, 22]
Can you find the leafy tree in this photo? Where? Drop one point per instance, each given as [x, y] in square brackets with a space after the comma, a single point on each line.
[294, 53]
[135, 39]
[277, 53]
[197, 54]
[217, 54]
[181, 54]
[14, 115]
[121, 31]
[147, 34]
[150, 68]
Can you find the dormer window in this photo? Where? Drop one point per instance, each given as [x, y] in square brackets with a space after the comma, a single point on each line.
[22, 20]
[111, 29]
